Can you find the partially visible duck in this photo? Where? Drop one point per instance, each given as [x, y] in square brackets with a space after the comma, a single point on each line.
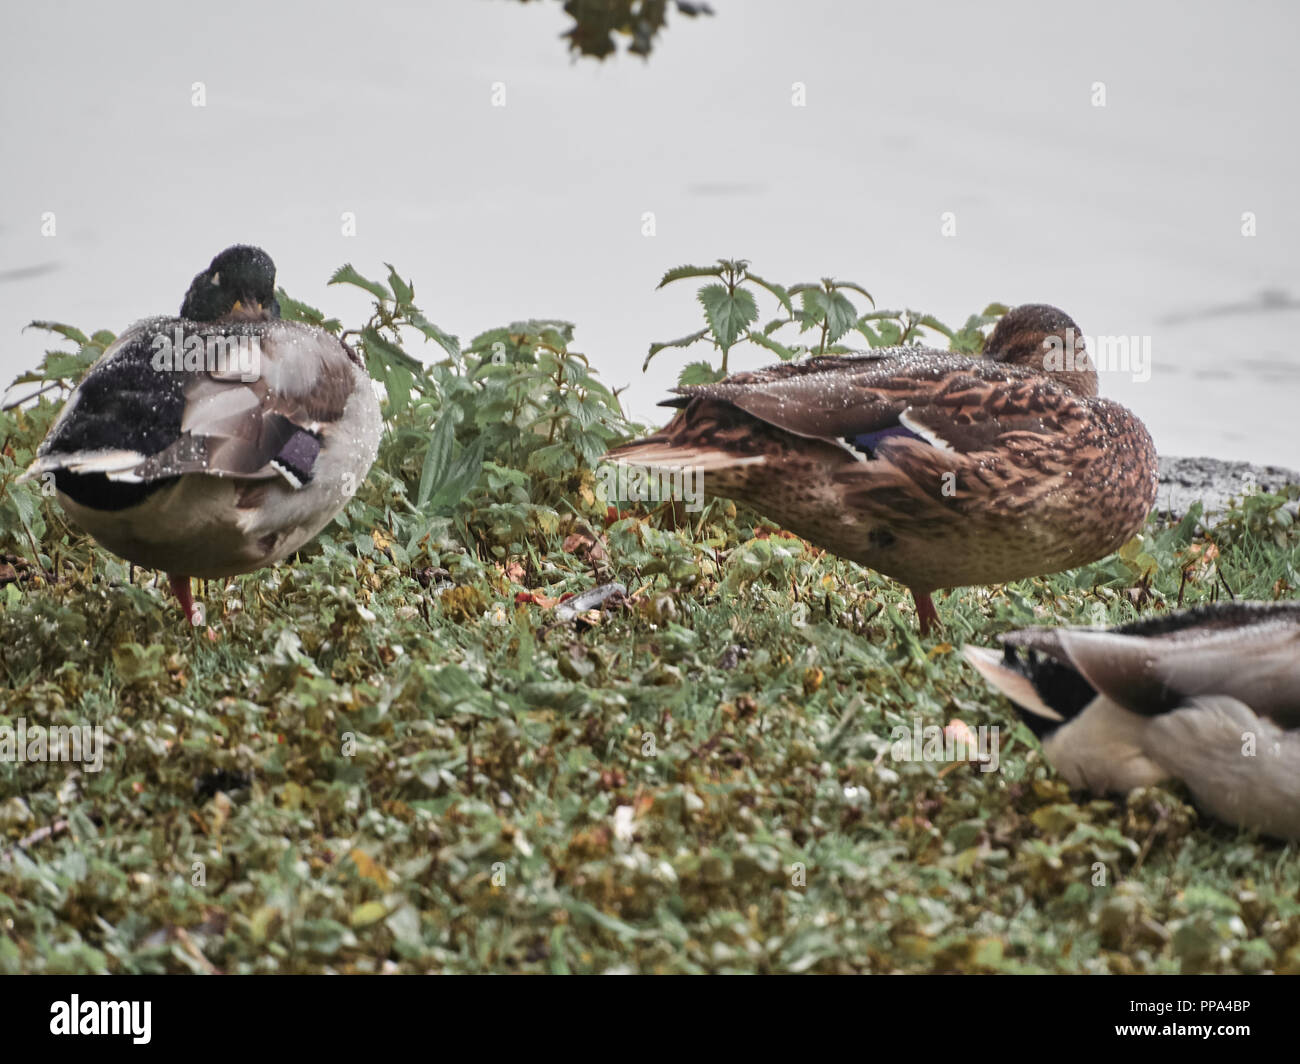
[217, 442]
[1210, 696]
[933, 468]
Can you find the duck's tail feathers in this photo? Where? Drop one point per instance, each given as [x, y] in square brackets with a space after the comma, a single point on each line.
[1005, 676]
[116, 464]
[706, 436]
[658, 453]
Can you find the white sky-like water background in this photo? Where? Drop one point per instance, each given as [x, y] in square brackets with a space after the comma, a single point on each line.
[1128, 216]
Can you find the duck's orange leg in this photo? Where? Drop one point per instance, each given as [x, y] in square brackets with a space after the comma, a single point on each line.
[926, 613]
[181, 589]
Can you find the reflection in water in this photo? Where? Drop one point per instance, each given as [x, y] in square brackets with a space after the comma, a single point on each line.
[597, 23]
[1269, 300]
[725, 188]
[1271, 367]
[27, 273]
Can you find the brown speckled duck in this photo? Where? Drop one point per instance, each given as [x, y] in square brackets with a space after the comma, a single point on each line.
[217, 442]
[933, 468]
[1210, 696]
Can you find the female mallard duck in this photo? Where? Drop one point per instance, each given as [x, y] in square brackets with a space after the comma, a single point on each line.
[217, 442]
[933, 468]
[1210, 696]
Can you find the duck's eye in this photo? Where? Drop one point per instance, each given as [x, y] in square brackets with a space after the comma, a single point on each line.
[215, 279]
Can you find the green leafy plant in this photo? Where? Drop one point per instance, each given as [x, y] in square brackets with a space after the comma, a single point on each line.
[513, 422]
[824, 309]
[61, 368]
[25, 519]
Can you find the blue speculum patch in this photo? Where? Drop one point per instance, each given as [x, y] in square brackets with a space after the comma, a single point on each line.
[299, 454]
[867, 442]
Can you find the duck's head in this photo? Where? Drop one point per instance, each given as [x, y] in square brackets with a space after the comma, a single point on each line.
[1046, 340]
[239, 285]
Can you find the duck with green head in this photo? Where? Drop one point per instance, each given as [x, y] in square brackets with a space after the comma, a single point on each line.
[217, 442]
[934, 468]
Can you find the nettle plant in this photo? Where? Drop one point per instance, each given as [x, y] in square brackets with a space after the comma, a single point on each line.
[494, 435]
[28, 524]
[824, 312]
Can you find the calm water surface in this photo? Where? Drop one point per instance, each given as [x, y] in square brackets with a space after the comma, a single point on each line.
[1129, 216]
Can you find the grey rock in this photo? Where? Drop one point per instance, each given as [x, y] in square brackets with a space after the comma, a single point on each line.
[1214, 482]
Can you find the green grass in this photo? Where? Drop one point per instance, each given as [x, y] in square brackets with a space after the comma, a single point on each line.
[430, 781]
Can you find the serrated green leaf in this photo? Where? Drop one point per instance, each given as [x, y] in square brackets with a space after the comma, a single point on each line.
[293, 310]
[377, 343]
[728, 313]
[584, 412]
[698, 373]
[685, 341]
[873, 338]
[776, 290]
[855, 288]
[779, 349]
[843, 315]
[483, 341]
[931, 322]
[402, 291]
[832, 308]
[891, 334]
[345, 274]
[445, 340]
[554, 331]
[489, 370]
[678, 273]
[60, 365]
[26, 502]
[71, 332]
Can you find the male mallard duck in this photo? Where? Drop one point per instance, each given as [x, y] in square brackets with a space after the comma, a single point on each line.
[933, 468]
[217, 442]
[1210, 696]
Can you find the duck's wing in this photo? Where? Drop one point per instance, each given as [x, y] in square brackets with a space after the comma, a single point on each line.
[955, 402]
[917, 408]
[1202, 744]
[1249, 652]
[255, 402]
